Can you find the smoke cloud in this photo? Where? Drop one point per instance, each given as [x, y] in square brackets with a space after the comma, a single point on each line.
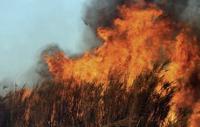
[42, 68]
[191, 13]
[100, 13]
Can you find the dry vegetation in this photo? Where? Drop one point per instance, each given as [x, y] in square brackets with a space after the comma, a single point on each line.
[67, 104]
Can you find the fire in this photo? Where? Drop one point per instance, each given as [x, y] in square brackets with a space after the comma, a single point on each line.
[139, 38]
[195, 118]
[135, 41]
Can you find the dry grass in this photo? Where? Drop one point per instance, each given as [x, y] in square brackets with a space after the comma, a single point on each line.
[89, 105]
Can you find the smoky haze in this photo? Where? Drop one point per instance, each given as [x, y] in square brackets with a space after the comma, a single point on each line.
[101, 13]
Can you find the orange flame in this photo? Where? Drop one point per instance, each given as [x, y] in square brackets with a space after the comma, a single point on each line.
[139, 38]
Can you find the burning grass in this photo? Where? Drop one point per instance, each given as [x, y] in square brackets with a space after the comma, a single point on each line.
[117, 84]
[70, 104]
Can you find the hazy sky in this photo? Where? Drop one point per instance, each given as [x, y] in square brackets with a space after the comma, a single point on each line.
[27, 26]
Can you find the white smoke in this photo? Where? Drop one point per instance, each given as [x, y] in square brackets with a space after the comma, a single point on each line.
[191, 13]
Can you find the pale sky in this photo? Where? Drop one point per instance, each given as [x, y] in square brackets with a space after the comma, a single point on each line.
[27, 26]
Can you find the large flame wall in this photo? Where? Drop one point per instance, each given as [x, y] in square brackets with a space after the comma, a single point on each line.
[141, 36]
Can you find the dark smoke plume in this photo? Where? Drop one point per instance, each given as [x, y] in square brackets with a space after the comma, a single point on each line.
[101, 13]
[42, 68]
[98, 13]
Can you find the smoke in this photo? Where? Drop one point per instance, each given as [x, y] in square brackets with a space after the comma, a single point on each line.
[187, 11]
[42, 68]
[101, 13]
[191, 13]
[6, 85]
[98, 13]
